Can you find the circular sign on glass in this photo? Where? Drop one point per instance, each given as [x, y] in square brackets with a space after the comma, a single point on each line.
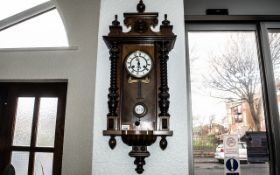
[231, 142]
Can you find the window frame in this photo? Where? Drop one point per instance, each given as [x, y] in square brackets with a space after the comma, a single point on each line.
[260, 25]
[37, 90]
[26, 15]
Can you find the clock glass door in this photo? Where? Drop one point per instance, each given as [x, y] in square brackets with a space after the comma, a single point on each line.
[139, 87]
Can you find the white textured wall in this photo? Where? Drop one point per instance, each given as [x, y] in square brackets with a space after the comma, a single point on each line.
[235, 7]
[172, 161]
[78, 67]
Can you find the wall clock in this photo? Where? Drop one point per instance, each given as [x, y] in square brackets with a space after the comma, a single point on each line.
[138, 98]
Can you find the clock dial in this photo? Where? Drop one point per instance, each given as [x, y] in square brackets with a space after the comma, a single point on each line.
[138, 64]
[140, 109]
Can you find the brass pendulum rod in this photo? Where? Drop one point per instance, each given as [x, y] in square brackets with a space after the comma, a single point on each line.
[139, 90]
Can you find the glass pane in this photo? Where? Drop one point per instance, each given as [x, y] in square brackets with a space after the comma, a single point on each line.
[12, 7]
[20, 162]
[24, 118]
[274, 43]
[43, 163]
[227, 99]
[46, 122]
[46, 30]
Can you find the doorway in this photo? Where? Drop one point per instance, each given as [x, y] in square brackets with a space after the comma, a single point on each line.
[228, 89]
[32, 127]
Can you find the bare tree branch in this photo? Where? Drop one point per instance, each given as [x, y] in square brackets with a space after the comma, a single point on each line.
[274, 43]
[235, 74]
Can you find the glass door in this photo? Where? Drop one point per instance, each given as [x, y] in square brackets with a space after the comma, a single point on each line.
[274, 46]
[227, 98]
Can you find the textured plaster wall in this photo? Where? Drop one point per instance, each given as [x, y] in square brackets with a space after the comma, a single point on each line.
[174, 160]
[78, 67]
[235, 7]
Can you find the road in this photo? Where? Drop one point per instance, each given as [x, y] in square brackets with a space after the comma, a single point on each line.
[208, 166]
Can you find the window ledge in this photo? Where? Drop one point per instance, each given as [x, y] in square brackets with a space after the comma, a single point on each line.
[35, 49]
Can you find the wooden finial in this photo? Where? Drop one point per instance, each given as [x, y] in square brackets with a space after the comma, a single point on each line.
[165, 22]
[141, 6]
[116, 22]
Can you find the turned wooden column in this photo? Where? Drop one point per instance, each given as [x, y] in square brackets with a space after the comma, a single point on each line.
[113, 95]
[164, 89]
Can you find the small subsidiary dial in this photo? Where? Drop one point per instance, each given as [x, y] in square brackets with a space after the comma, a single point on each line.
[139, 109]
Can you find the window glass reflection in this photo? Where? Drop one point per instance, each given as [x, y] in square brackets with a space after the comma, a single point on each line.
[24, 118]
[46, 122]
[226, 99]
[20, 162]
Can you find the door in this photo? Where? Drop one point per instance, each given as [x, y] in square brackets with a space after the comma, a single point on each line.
[228, 96]
[32, 127]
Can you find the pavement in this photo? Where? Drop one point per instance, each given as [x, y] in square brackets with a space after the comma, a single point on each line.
[205, 160]
[210, 166]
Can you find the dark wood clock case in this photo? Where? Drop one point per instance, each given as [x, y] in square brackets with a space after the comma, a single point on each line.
[126, 91]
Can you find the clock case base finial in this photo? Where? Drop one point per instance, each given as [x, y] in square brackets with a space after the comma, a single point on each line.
[139, 153]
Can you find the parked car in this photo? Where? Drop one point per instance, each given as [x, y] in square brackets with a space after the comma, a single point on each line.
[220, 154]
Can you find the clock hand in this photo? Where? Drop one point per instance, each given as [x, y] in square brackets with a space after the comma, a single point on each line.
[145, 67]
[138, 65]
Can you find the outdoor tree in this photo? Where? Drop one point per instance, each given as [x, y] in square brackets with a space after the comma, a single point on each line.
[234, 74]
[274, 43]
[211, 121]
[233, 71]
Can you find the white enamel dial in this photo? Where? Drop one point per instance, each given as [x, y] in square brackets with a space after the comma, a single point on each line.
[138, 64]
[139, 109]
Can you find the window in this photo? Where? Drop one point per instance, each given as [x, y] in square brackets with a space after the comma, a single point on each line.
[274, 45]
[11, 7]
[34, 24]
[32, 122]
[234, 76]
